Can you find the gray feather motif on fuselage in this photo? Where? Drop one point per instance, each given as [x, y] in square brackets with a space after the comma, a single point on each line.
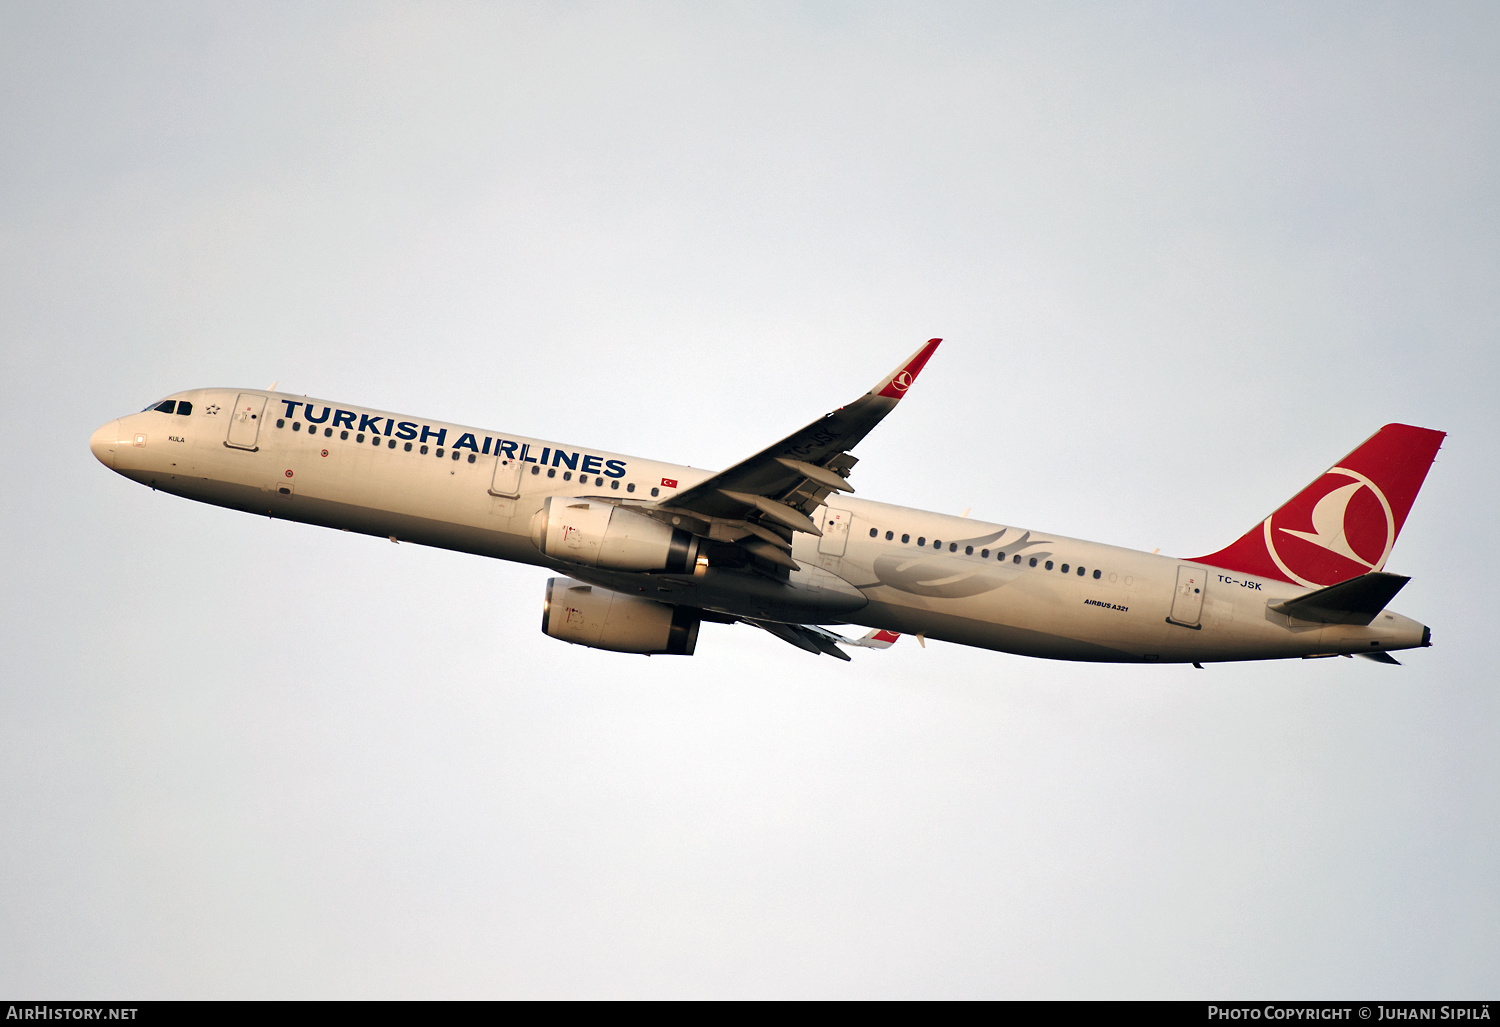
[950, 575]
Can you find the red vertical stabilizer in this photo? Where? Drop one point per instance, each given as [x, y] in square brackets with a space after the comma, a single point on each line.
[1345, 523]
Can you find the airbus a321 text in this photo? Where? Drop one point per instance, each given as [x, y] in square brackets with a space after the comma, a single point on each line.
[646, 551]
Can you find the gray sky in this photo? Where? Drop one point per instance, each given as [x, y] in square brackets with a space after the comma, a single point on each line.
[1185, 257]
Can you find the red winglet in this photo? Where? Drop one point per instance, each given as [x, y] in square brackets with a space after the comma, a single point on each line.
[1343, 524]
[894, 386]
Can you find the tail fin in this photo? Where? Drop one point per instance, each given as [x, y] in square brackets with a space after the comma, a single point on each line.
[1345, 523]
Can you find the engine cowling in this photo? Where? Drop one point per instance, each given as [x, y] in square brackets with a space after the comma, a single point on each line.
[599, 534]
[596, 617]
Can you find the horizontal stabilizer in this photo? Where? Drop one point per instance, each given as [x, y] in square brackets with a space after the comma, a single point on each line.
[1382, 658]
[1355, 601]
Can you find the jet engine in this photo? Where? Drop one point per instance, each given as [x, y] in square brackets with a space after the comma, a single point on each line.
[601, 619]
[600, 534]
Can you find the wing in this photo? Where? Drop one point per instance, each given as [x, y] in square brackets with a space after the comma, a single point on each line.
[759, 502]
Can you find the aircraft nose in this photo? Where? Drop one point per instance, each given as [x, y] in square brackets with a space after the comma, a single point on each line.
[103, 443]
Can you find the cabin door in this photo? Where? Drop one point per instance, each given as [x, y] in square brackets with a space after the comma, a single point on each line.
[244, 426]
[1187, 604]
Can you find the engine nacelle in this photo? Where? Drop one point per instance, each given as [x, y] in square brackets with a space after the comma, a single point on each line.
[601, 619]
[599, 534]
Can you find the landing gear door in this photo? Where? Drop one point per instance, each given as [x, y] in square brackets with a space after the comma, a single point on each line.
[244, 425]
[835, 525]
[1187, 604]
[507, 479]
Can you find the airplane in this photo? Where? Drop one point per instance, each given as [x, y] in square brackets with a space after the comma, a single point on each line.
[646, 551]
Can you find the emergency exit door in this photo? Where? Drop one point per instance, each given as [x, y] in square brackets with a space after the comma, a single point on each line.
[835, 525]
[507, 478]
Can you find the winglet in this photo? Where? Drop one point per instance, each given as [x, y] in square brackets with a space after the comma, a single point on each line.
[894, 385]
[878, 638]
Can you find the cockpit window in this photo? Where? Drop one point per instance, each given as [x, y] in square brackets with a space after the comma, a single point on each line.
[184, 407]
[168, 406]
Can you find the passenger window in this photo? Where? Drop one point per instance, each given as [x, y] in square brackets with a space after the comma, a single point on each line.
[1065, 568]
[345, 435]
[552, 472]
[1049, 565]
[614, 483]
[969, 551]
[422, 450]
[472, 457]
[655, 491]
[438, 452]
[280, 422]
[375, 441]
[328, 434]
[454, 454]
[905, 539]
[889, 536]
[1033, 560]
[1096, 575]
[874, 532]
[296, 426]
[630, 487]
[184, 407]
[937, 543]
[921, 540]
[1000, 556]
[1080, 572]
[598, 482]
[391, 444]
[567, 476]
[407, 447]
[167, 407]
[1018, 560]
[535, 469]
[360, 437]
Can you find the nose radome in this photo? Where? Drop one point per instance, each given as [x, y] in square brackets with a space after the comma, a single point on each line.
[103, 443]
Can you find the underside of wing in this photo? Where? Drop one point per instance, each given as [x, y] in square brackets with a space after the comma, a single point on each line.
[816, 640]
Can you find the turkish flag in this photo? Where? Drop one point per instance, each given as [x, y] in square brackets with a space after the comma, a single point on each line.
[670, 483]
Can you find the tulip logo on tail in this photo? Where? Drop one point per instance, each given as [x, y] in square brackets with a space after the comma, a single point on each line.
[1340, 528]
[1344, 524]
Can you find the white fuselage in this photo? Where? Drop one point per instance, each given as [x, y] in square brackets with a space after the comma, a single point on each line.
[883, 566]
